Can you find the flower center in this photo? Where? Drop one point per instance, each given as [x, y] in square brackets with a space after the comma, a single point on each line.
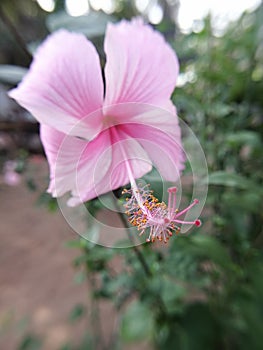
[109, 121]
[148, 214]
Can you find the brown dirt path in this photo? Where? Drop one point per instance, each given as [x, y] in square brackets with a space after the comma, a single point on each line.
[37, 288]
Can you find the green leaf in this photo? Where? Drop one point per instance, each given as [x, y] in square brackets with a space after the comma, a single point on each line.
[250, 138]
[11, 74]
[47, 200]
[92, 25]
[231, 179]
[137, 323]
[77, 312]
[172, 294]
[249, 201]
[115, 284]
[79, 277]
[200, 327]
[30, 342]
[77, 243]
[209, 247]
[221, 110]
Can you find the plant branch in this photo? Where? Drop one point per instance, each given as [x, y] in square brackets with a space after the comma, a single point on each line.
[95, 316]
[134, 247]
[12, 29]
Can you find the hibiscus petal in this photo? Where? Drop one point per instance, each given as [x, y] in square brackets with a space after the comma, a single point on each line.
[72, 160]
[89, 169]
[157, 130]
[124, 152]
[64, 85]
[162, 147]
[140, 67]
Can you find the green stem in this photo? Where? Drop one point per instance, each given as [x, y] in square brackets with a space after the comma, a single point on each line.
[144, 264]
[134, 247]
[94, 316]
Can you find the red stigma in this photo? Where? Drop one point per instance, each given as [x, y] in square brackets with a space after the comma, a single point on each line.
[198, 223]
[172, 189]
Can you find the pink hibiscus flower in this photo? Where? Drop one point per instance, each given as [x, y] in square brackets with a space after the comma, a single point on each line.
[96, 142]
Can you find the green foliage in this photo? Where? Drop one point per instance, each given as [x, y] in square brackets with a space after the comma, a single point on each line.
[47, 200]
[137, 323]
[77, 312]
[206, 290]
[30, 342]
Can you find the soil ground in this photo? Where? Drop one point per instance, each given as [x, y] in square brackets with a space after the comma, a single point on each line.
[37, 289]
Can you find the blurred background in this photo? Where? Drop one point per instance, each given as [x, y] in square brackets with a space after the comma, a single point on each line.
[204, 291]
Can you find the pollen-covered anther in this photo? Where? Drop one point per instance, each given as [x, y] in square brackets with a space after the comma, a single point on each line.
[148, 214]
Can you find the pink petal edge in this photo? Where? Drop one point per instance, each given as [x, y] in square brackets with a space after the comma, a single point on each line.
[64, 84]
[140, 66]
[72, 161]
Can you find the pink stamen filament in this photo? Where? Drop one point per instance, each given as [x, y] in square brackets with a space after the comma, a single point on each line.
[134, 186]
[185, 222]
[171, 200]
[177, 215]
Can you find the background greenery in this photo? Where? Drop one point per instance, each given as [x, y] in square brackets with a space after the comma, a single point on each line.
[205, 291]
